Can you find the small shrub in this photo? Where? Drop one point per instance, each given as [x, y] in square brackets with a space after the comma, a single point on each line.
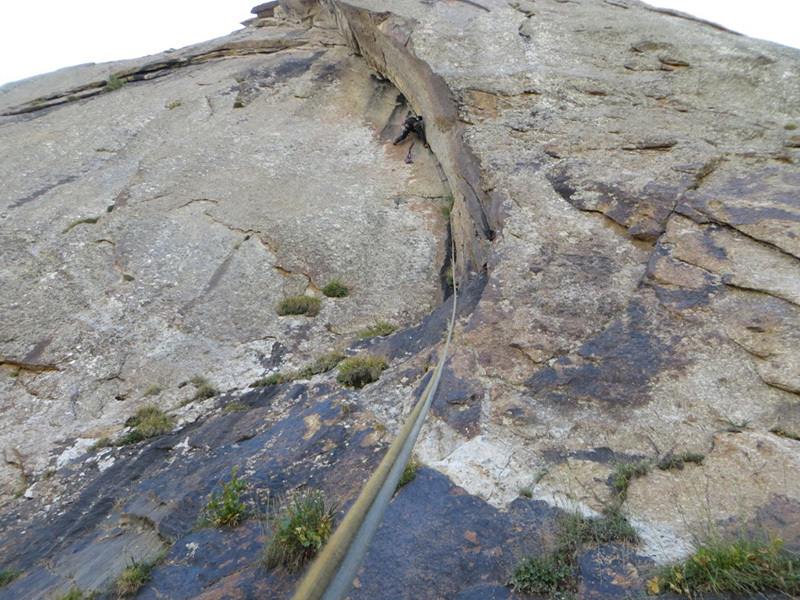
[226, 507]
[86, 221]
[299, 305]
[747, 565]
[525, 492]
[103, 442]
[128, 277]
[71, 98]
[409, 472]
[274, 379]
[378, 329]
[114, 83]
[239, 79]
[7, 577]
[677, 461]
[132, 578]
[235, 406]
[75, 593]
[621, 478]
[300, 531]
[360, 370]
[149, 421]
[542, 575]
[790, 126]
[322, 365]
[173, 104]
[336, 289]
[238, 104]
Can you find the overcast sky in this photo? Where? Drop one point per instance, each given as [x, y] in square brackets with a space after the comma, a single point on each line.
[38, 37]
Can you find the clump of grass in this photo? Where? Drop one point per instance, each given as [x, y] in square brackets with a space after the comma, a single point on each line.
[783, 433]
[274, 379]
[790, 126]
[75, 593]
[7, 577]
[204, 388]
[226, 507]
[153, 390]
[235, 406]
[678, 461]
[128, 277]
[525, 492]
[300, 531]
[299, 305]
[322, 365]
[86, 221]
[336, 289]
[377, 329]
[360, 370]
[172, 104]
[71, 98]
[624, 474]
[239, 79]
[744, 565]
[555, 571]
[409, 472]
[114, 83]
[132, 578]
[149, 421]
[447, 209]
[737, 426]
[238, 104]
[103, 442]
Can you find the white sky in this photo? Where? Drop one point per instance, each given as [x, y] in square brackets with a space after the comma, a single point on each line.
[41, 36]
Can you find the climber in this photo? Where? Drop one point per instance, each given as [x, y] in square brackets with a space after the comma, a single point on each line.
[413, 124]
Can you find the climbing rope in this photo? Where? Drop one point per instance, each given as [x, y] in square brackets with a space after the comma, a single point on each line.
[332, 573]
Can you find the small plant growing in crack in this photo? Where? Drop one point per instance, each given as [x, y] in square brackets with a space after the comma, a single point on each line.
[624, 474]
[336, 289]
[677, 461]
[173, 104]
[377, 329]
[226, 507]
[114, 83]
[299, 305]
[204, 388]
[736, 426]
[409, 473]
[361, 370]
[149, 421]
[86, 221]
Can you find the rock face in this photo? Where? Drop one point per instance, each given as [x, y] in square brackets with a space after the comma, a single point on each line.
[625, 213]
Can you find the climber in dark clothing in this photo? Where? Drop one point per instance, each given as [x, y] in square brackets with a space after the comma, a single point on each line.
[415, 125]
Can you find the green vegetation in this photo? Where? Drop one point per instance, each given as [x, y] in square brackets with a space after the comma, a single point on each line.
[132, 578]
[153, 390]
[555, 571]
[790, 126]
[235, 406]
[409, 472]
[336, 289]
[238, 104]
[128, 277]
[7, 577]
[149, 421]
[525, 492]
[300, 531]
[624, 474]
[299, 305]
[75, 593]
[71, 98]
[377, 329]
[103, 442]
[787, 434]
[322, 365]
[360, 370]
[204, 390]
[86, 221]
[226, 507]
[447, 209]
[114, 83]
[173, 104]
[677, 461]
[274, 379]
[239, 79]
[736, 426]
[745, 565]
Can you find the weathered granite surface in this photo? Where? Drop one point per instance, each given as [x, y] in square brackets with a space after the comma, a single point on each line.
[626, 223]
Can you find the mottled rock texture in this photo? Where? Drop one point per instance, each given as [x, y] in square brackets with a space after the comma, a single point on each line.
[625, 215]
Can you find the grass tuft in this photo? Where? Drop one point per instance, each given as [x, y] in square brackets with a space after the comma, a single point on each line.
[409, 472]
[226, 507]
[525, 492]
[377, 329]
[132, 578]
[322, 365]
[299, 305]
[7, 577]
[274, 379]
[235, 406]
[746, 565]
[300, 531]
[75, 593]
[173, 104]
[114, 83]
[204, 388]
[149, 421]
[336, 289]
[624, 474]
[360, 370]
[783, 433]
[678, 461]
[238, 104]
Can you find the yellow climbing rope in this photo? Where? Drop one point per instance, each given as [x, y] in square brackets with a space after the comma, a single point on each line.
[332, 573]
